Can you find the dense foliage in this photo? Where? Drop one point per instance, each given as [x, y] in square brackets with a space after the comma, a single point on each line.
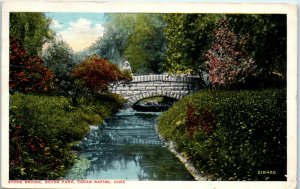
[111, 46]
[137, 38]
[188, 38]
[40, 130]
[231, 135]
[181, 43]
[27, 74]
[60, 59]
[98, 74]
[31, 29]
[43, 130]
[146, 44]
[193, 39]
[267, 43]
[230, 65]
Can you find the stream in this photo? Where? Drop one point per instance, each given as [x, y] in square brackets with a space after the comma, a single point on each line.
[127, 147]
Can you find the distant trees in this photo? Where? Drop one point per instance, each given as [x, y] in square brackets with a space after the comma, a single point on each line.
[146, 44]
[60, 58]
[111, 46]
[137, 38]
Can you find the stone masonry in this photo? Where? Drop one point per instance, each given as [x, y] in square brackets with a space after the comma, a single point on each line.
[145, 86]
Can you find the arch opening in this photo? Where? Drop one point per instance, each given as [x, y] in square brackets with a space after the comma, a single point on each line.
[154, 104]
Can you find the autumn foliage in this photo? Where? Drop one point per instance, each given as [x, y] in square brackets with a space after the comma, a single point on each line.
[229, 63]
[98, 74]
[27, 73]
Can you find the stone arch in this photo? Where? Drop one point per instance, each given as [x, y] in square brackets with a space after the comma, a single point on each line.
[172, 94]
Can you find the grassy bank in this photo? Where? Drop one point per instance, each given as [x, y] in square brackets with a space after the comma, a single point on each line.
[43, 130]
[231, 135]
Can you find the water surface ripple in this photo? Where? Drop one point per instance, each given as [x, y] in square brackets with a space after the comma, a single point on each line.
[127, 147]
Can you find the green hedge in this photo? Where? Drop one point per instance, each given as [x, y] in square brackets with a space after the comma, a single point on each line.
[231, 135]
[43, 129]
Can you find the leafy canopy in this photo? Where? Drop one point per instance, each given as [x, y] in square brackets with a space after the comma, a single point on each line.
[112, 44]
[146, 44]
[60, 58]
[188, 38]
[31, 30]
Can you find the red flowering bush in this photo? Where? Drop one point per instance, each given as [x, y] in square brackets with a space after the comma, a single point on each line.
[229, 63]
[98, 74]
[27, 73]
[192, 120]
[205, 121]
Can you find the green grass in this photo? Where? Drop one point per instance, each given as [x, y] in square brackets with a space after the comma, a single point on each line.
[231, 135]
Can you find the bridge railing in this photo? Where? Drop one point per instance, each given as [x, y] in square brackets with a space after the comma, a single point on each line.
[170, 78]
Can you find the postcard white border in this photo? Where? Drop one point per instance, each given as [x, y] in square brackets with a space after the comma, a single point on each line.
[183, 7]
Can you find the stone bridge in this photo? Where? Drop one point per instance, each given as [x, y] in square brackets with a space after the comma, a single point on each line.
[145, 86]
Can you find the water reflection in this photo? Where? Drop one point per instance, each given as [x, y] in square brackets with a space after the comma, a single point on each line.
[128, 147]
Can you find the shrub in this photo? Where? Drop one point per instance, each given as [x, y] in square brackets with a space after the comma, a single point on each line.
[231, 135]
[40, 129]
[27, 74]
[230, 65]
[94, 111]
[98, 74]
[93, 78]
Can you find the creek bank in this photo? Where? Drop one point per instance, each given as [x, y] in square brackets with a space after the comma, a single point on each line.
[225, 133]
[183, 159]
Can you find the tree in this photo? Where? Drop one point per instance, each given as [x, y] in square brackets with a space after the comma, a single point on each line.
[146, 44]
[137, 38]
[230, 65]
[27, 73]
[112, 44]
[260, 39]
[31, 30]
[60, 58]
[98, 74]
[188, 38]
[267, 43]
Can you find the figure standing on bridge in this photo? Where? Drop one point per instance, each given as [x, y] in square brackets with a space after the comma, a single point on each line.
[126, 66]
